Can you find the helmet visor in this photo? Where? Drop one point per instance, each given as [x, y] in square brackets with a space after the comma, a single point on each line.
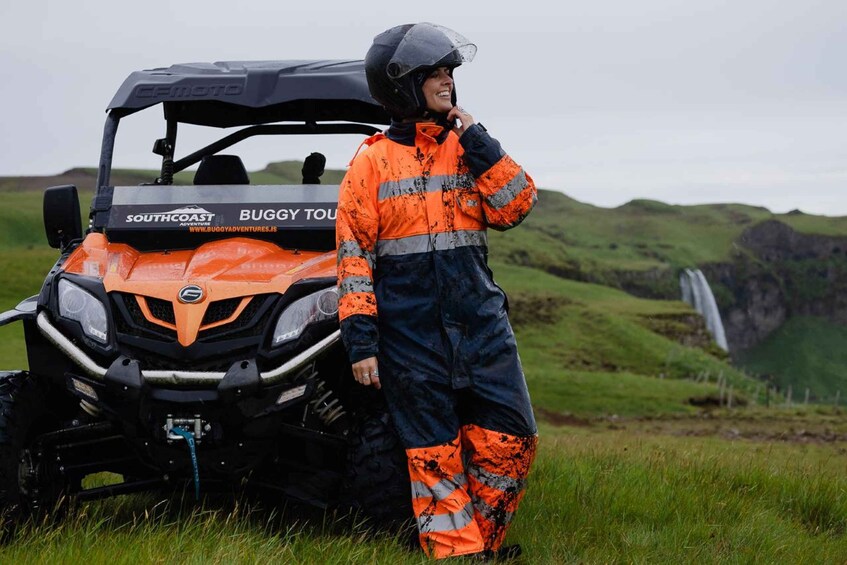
[426, 45]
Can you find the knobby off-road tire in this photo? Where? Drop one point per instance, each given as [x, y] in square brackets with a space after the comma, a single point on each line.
[26, 488]
[377, 482]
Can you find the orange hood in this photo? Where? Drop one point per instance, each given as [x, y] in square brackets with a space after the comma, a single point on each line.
[224, 269]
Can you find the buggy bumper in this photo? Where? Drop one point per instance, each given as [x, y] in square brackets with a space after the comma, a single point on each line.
[174, 377]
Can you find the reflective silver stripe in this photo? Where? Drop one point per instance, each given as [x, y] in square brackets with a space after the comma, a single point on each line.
[434, 242]
[420, 185]
[352, 249]
[501, 517]
[441, 490]
[507, 194]
[356, 284]
[429, 523]
[500, 482]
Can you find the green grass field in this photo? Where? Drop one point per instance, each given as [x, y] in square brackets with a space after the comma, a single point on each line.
[596, 495]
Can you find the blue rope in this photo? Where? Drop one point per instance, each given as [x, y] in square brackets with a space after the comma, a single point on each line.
[189, 439]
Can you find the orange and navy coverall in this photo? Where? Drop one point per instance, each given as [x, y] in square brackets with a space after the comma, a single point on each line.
[416, 291]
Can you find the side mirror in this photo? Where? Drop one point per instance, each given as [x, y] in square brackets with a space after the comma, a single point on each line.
[61, 215]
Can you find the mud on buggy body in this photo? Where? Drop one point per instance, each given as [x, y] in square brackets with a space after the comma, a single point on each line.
[190, 337]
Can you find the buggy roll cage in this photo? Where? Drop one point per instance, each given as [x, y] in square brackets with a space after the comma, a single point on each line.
[166, 145]
[244, 93]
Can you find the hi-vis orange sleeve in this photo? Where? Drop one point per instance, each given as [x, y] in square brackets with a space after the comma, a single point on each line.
[508, 194]
[356, 230]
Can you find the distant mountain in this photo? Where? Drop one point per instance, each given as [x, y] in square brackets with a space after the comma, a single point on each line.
[85, 178]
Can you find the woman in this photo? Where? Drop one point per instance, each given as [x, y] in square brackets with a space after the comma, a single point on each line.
[421, 316]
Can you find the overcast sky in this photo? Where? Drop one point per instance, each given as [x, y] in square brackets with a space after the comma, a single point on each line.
[680, 101]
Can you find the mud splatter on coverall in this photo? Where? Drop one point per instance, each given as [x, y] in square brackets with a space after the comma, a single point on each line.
[411, 234]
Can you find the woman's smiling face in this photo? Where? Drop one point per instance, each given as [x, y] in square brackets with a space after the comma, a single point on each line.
[438, 90]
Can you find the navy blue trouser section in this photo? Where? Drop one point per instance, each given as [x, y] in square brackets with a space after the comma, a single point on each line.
[447, 354]
[428, 408]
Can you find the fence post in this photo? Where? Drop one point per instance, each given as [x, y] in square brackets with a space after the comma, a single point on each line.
[788, 397]
[806, 401]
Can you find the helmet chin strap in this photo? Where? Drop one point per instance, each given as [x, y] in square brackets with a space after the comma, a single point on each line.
[441, 120]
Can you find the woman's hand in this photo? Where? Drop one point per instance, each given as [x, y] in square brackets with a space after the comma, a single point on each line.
[458, 113]
[366, 372]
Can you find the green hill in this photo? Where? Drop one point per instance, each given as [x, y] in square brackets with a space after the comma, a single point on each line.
[590, 350]
[585, 242]
[761, 274]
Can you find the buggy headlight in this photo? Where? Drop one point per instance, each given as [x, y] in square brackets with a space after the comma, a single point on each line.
[321, 305]
[81, 306]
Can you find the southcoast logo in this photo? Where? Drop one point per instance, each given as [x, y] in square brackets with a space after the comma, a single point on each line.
[188, 216]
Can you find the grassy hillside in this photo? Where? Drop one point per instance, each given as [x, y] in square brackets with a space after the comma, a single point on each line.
[592, 350]
[642, 245]
[579, 240]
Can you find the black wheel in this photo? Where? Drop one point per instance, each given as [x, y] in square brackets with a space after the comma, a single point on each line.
[377, 482]
[28, 483]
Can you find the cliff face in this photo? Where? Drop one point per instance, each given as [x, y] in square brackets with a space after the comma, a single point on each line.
[752, 304]
[778, 273]
[775, 273]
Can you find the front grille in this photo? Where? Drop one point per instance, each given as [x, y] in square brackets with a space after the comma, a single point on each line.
[130, 320]
[220, 310]
[251, 322]
[161, 309]
[156, 348]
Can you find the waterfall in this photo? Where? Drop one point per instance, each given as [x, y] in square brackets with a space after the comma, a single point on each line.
[696, 292]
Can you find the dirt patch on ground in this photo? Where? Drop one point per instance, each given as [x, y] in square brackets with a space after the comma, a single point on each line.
[535, 309]
[728, 426]
[789, 436]
[683, 328]
[560, 418]
[715, 401]
[779, 428]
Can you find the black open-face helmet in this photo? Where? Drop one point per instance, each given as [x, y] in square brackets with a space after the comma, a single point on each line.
[401, 58]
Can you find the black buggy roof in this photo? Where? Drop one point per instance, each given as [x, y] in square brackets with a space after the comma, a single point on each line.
[233, 93]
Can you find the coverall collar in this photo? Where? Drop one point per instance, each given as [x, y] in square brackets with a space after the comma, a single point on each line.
[405, 133]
